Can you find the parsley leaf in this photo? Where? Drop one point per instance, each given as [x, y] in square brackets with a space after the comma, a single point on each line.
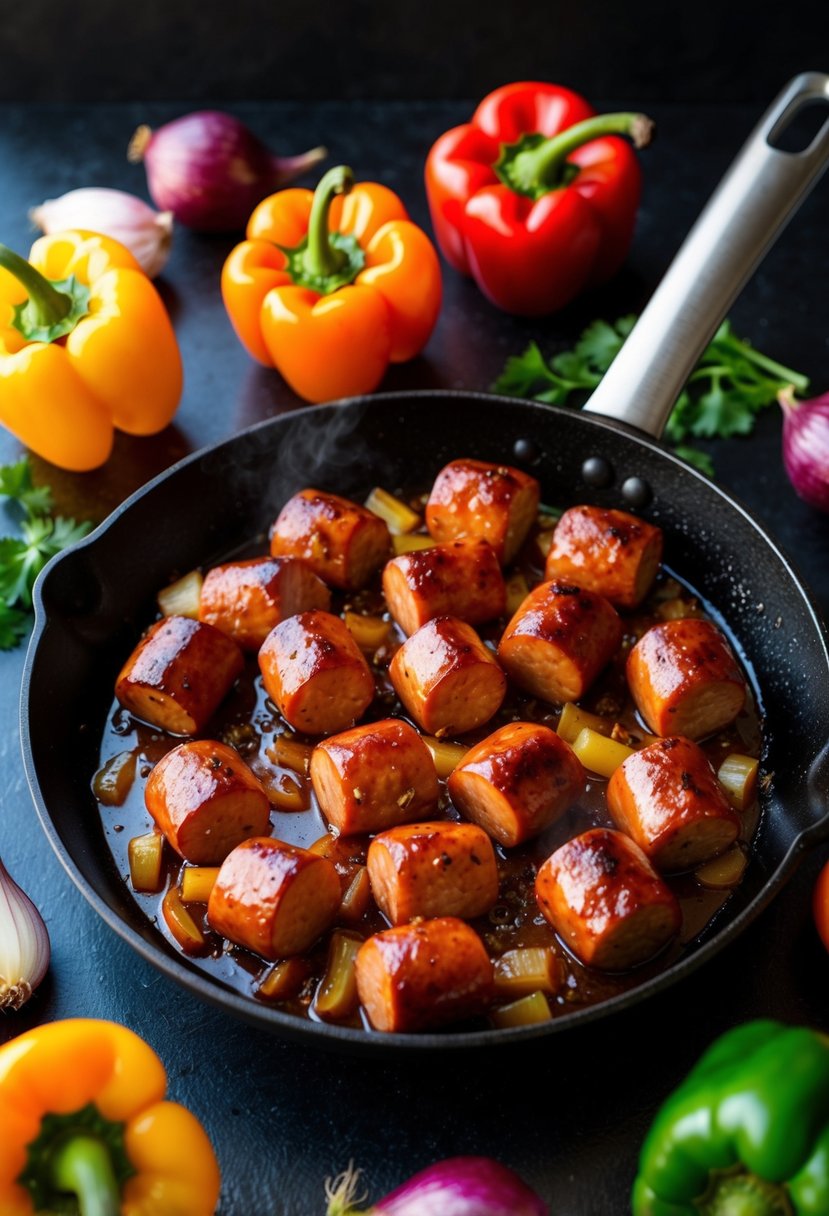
[731, 383]
[23, 557]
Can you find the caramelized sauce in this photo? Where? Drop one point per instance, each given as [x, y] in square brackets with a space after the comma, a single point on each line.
[249, 721]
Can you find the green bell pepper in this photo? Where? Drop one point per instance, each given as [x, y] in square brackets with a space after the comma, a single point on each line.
[746, 1133]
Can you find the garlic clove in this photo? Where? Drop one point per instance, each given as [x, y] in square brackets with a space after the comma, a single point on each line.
[24, 944]
[147, 233]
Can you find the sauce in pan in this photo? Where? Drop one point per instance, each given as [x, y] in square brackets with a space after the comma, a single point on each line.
[249, 721]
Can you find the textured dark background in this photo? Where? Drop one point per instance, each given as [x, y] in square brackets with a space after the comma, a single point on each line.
[99, 50]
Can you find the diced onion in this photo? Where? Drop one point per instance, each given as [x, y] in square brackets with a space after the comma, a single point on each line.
[528, 1011]
[182, 597]
[598, 753]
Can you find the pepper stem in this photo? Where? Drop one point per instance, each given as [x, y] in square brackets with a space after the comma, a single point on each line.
[745, 1195]
[535, 165]
[322, 259]
[82, 1166]
[47, 306]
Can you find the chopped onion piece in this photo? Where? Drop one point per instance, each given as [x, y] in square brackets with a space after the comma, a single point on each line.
[447, 756]
[112, 783]
[397, 515]
[145, 854]
[197, 882]
[182, 597]
[528, 1011]
[573, 720]
[181, 924]
[724, 871]
[337, 994]
[598, 753]
[738, 777]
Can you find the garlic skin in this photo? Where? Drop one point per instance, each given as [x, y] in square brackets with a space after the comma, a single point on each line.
[24, 944]
[147, 233]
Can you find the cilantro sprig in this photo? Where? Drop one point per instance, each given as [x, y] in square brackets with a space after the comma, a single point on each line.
[728, 387]
[23, 557]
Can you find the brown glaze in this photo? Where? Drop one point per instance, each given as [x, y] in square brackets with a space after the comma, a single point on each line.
[610, 552]
[418, 976]
[178, 674]
[492, 502]
[685, 679]
[274, 898]
[517, 782]
[315, 672]
[606, 902]
[559, 640]
[246, 599]
[447, 679]
[433, 869]
[341, 541]
[461, 579]
[205, 800]
[374, 777]
[667, 798]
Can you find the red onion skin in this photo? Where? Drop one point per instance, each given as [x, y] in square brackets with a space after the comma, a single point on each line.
[462, 1186]
[806, 448]
[210, 170]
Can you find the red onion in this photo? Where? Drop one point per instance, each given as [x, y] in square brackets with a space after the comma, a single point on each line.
[806, 446]
[459, 1186]
[210, 170]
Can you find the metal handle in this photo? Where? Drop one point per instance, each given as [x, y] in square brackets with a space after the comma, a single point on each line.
[744, 216]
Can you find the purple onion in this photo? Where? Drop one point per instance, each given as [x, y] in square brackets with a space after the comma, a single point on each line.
[459, 1186]
[210, 170]
[806, 446]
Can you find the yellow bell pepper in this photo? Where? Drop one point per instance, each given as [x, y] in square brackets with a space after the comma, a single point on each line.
[86, 347]
[84, 1124]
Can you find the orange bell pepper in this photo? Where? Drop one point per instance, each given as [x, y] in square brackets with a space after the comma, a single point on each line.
[85, 1128]
[86, 346]
[332, 286]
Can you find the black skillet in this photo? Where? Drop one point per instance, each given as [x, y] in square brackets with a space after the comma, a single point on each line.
[93, 602]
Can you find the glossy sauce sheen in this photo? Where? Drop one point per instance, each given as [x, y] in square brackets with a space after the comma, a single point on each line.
[250, 721]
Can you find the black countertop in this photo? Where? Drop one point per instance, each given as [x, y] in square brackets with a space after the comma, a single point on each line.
[570, 1113]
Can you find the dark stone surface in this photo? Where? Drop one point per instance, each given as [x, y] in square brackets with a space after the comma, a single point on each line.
[569, 1115]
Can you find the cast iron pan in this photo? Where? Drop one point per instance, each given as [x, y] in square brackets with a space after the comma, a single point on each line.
[93, 602]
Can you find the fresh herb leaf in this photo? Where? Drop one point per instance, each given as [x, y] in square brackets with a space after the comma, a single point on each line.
[14, 625]
[730, 384]
[16, 483]
[695, 457]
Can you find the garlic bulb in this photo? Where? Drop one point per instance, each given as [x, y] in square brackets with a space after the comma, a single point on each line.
[147, 233]
[24, 944]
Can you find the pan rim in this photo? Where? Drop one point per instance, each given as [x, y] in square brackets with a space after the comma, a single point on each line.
[211, 989]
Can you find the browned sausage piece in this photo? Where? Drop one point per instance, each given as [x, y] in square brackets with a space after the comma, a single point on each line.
[610, 552]
[667, 798]
[374, 777]
[178, 673]
[205, 800]
[315, 673]
[417, 976]
[447, 679]
[433, 869]
[517, 781]
[472, 498]
[461, 579]
[274, 898]
[341, 541]
[246, 599]
[559, 640]
[606, 902]
[685, 679]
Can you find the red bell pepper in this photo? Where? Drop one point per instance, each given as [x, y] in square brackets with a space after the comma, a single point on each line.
[536, 197]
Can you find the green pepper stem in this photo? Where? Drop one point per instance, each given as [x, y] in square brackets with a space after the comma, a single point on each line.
[82, 1166]
[542, 167]
[800, 382]
[321, 259]
[745, 1195]
[46, 306]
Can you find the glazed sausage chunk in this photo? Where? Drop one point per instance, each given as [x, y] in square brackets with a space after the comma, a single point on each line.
[205, 800]
[609, 552]
[667, 798]
[461, 579]
[685, 679]
[315, 673]
[559, 640]
[246, 599]
[433, 869]
[447, 679]
[341, 541]
[274, 898]
[178, 674]
[471, 498]
[374, 777]
[606, 902]
[517, 781]
[417, 976]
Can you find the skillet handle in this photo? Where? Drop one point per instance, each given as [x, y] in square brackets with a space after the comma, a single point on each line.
[748, 210]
